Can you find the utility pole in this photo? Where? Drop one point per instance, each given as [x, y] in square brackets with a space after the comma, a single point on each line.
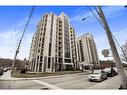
[121, 72]
[16, 53]
[19, 44]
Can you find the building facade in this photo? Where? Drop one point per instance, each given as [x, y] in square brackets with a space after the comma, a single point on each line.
[53, 46]
[74, 49]
[125, 51]
[87, 52]
[107, 64]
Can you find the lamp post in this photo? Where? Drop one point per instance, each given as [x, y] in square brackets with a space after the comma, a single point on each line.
[116, 57]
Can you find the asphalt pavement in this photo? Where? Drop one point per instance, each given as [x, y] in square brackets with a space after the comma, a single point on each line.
[59, 82]
[71, 81]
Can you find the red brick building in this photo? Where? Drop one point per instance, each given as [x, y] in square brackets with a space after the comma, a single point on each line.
[106, 64]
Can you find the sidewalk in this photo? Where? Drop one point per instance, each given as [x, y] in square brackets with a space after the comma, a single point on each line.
[112, 83]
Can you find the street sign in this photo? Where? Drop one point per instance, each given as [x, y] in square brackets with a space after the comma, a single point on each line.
[105, 52]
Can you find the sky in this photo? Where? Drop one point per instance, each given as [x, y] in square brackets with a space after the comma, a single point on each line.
[13, 19]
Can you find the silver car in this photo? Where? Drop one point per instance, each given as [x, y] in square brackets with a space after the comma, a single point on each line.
[97, 75]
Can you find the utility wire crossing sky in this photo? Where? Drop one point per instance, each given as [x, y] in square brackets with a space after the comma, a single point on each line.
[13, 19]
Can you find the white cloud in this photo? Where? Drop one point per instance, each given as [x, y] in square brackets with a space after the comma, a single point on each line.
[121, 36]
[80, 15]
[102, 42]
[110, 12]
[113, 11]
[9, 39]
[25, 46]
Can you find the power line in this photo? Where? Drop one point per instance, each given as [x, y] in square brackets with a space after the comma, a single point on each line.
[119, 66]
[95, 17]
[104, 28]
[26, 25]
[24, 30]
[96, 10]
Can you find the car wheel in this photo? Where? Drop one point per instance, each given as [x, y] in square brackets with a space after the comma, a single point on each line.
[112, 75]
[101, 79]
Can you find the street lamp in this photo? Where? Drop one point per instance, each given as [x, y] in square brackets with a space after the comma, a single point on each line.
[85, 18]
[116, 57]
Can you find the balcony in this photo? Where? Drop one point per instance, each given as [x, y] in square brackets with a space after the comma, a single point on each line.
[60, 36]
[60, 45]
[60, 41]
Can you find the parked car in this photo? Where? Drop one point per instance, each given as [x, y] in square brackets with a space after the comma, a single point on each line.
[116, 70]
[1, 71]
[111, 71]
[107, 70]
[5, 69]
[97, 75]
[9, 68]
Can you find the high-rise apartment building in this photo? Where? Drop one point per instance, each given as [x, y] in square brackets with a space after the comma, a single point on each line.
[74, 49]
[125, 50]
[53, 45]
[87, 52]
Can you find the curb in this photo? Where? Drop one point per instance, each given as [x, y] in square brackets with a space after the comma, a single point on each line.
[37, 78]
[112, 83]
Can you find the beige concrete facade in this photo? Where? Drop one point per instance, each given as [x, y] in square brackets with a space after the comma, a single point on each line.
[125, 49]
[87, 52]
[53, 45]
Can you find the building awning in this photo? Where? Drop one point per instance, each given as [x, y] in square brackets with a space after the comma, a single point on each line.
[84, 64]
[88, 64]
[68, 63]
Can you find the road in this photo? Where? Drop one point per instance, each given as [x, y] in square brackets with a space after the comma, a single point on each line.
[75, 81]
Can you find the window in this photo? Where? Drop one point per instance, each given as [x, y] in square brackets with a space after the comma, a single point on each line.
[55, 59]
[67, 60]
[41, 30]
[39, 45]
[36, 66]
[37, 58]
[40, 66]
[38, 51]
[44, 29]
[49, 49]
[60, 59]
[41, 51]
[49, 60]
[41, 58]
[40, 39]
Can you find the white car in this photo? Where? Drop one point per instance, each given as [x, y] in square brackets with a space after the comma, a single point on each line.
[116, 69]
[97, 75]
[107, 70]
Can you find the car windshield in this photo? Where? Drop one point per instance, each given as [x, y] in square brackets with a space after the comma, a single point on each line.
[97, 72]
